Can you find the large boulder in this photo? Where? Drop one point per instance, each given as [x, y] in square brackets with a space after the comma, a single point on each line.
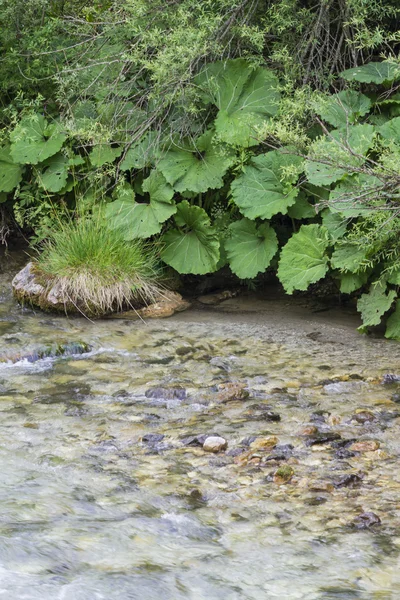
[30, 288]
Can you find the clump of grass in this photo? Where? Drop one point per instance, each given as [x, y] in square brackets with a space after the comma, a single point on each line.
[92, 268]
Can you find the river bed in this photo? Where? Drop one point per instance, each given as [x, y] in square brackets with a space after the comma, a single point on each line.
[107, 494]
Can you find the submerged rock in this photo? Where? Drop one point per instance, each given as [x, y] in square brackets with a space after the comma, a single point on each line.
[165, 393]
[54, 351]
[366, 520]
[283, 475]
[364, 446]
[232, 391]
[215, 444]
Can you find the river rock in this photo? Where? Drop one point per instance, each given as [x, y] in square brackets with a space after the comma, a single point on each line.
[232, 391]
[364, 446]
[168, 304]
[214, 299]
[264, 443]
[215, 444]
[29, 288]
[366, 520]
[166, 393]
[283, 475]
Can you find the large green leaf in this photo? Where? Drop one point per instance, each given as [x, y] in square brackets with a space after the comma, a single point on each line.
[391, 130]
[142, 220]
[373, 72]
[393, 324]
[261, 191]
[373, 305]
[142, 154]
[10, 172]
[334, 223]
[196, 168]
[350, 282]
[250, 248]
[54, 173]
[246, 97]
[302, 209]
[352, 197]
[303, 260]
[33, 140]
[344, 108]
[103, 154]
[332, 157]
[193, 247]
[348, 257]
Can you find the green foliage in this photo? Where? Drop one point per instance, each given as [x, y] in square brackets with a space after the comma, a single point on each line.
[303, 259]
[245, 98]
[249, 248]
[196, 167]
[142, 220]
[393, 324]
[130, 110]
[193, 246]
[266, 186]
[10, 172]
[33, 140]
[375, 304]
[373, 72]
[344, 108]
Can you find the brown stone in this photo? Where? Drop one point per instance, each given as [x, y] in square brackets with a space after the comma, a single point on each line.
[214, 299]
[309, 430]
[232, 391]
[364, 446]
[283, 475]
[264, 443]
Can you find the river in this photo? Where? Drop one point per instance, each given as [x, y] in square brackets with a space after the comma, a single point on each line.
[107, 494]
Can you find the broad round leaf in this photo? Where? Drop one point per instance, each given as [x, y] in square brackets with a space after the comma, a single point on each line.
[331, 159]
[194, 248]
[141, 154]
[334, 223]
[103, 154]
[245, 96]
[352, 197]
[393, 324]
[391, 130]
[301, 209]
[344, 108]
[348, 257]
[303, 260]
[142, 220]
[373, 72]
[33, 140]
[260, 191]
[196, 169]
[350, 282]
[250, 249]
[10, 172]
[373, 305]
[54, 173]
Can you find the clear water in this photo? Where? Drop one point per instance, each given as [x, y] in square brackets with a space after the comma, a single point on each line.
[91, 512]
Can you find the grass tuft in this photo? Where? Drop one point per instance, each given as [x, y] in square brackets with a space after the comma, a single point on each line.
[92, 268]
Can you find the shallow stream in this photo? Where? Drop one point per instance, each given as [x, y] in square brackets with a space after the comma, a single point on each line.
[97, 505]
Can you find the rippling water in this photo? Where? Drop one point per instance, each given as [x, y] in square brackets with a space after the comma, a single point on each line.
[93, 507]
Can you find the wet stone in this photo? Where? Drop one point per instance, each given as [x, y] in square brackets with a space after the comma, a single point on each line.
[366, 520]
[232, 391]
[323, 438]
[395, 398]
[258, 412]
[215, 444]
[197, 440]
[152, 438]
[364, 446]
[389, 378]
[283, 475]
[363, 416]
[162, 393]
[351, 480]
